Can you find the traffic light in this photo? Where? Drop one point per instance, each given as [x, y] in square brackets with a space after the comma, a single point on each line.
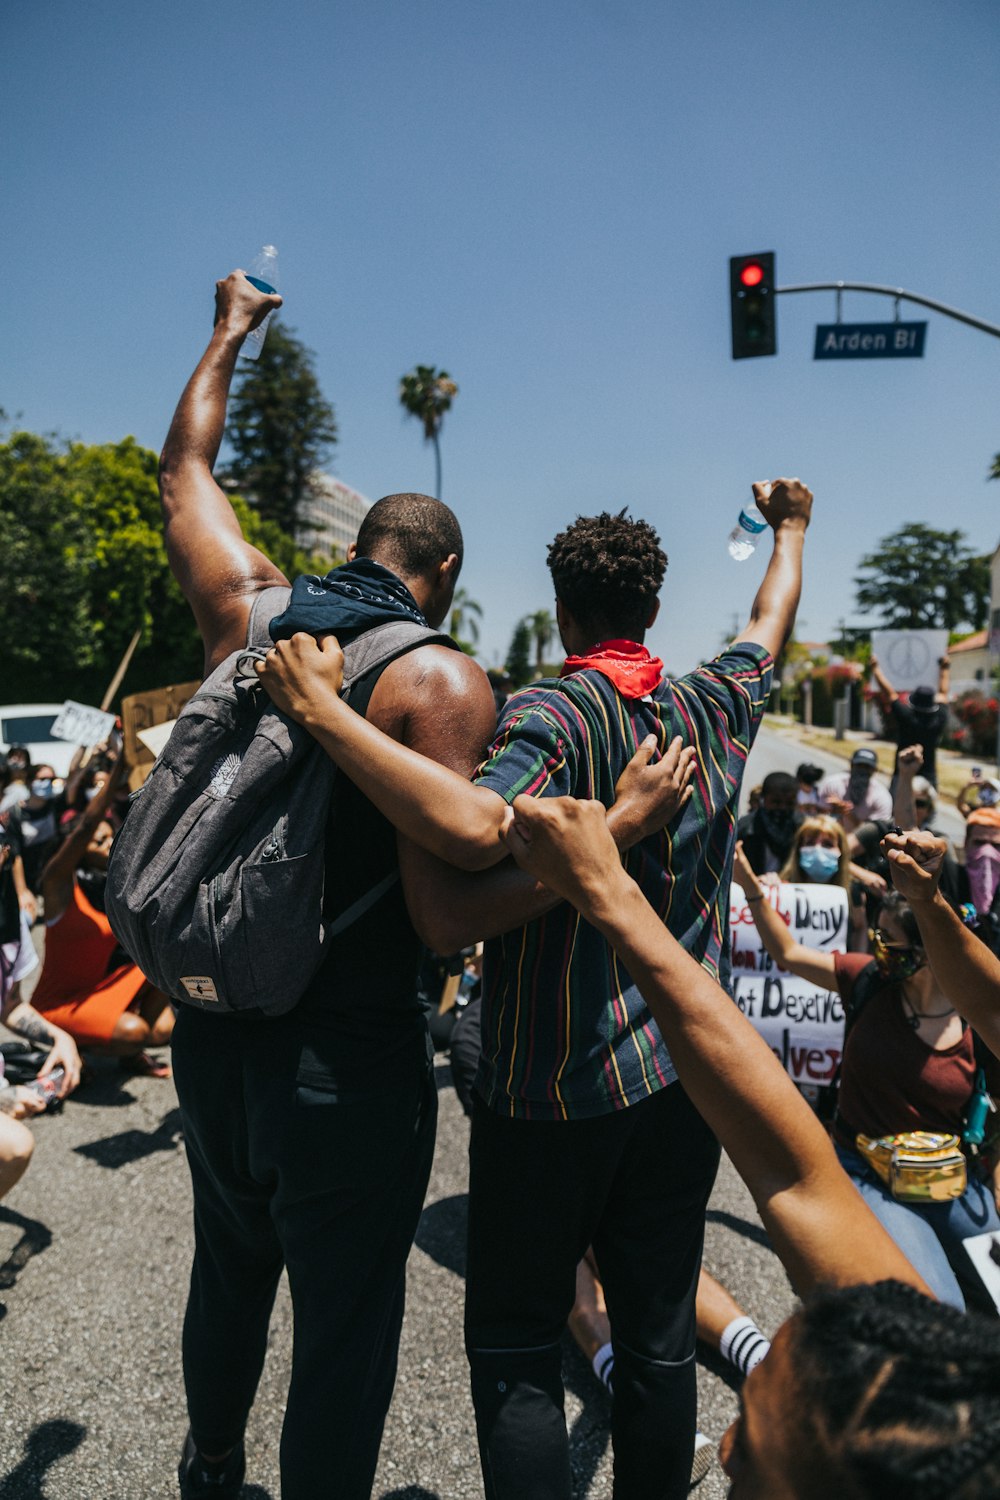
[751, 296]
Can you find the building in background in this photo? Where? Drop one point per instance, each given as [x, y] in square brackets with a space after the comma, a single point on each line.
[330, 523]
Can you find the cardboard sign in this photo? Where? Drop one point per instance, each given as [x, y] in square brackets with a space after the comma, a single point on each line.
[801, 1023]
[80, 725]
[143, 712]
[909, 658]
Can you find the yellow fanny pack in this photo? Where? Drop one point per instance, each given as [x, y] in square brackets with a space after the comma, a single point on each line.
[919, 1166]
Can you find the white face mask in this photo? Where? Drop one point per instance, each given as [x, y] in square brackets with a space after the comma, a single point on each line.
[91, 792]
[818, 862]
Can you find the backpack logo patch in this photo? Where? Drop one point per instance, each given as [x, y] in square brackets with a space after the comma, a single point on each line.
[224, 774]
[199, 987]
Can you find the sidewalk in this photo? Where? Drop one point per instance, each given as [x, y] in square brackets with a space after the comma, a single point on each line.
[954, 770]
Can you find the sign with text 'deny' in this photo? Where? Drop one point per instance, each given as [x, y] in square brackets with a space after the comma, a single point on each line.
[802, 1023]
[869, 341]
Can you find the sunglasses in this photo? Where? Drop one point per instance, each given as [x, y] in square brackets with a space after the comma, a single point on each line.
[921, 802]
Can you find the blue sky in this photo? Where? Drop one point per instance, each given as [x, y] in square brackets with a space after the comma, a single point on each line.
[542, 198]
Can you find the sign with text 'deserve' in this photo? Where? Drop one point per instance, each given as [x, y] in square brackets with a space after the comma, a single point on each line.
[869, 341]
[801, 1022]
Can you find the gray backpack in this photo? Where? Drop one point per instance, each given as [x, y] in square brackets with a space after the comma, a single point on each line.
[215, 883]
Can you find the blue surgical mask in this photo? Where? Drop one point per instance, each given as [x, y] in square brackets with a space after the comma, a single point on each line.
[818, 862]
[44, 789]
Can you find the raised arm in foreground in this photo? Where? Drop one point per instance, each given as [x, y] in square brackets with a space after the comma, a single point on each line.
[820, 1226]
[786, 505]
[217, 570]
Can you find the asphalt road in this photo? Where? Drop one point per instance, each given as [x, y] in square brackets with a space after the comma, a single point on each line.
[95, 1244]
[94, 1251]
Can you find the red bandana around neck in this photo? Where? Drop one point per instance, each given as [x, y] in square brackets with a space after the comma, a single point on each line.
[630, 667]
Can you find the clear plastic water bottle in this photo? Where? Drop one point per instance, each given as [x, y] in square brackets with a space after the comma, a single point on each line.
[743, 538]
[263, 274]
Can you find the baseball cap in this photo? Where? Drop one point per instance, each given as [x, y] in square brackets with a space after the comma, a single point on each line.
[865, 758]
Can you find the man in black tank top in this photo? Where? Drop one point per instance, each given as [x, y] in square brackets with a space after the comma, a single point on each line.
[310, 1136]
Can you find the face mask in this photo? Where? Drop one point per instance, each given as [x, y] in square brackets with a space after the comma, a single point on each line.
[894, 963]
[43, 789]
[93, 883]
[987, 796]
[982, 864]
[779, 828]
[90, 792]
[818, 862]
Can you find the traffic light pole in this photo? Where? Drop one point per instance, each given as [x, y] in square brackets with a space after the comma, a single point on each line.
[898, 295]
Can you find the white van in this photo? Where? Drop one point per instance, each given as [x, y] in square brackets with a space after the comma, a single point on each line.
[30, 724]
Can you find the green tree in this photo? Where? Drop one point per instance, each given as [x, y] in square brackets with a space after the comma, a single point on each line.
[920, 578]
[280, 430]
[85, 566]
[427, 393]
[466, 614]
[519, 654]
[543, 629]
[995, 467]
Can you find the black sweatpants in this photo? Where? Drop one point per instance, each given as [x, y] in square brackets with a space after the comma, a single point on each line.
[634, 1185]
[294, 1164]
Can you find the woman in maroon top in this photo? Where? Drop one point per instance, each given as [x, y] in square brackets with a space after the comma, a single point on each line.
[908, 1064]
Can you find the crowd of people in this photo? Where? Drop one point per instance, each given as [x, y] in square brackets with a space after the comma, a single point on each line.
[581, 850]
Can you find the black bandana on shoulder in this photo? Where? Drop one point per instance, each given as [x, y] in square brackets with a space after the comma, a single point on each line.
[346, 600]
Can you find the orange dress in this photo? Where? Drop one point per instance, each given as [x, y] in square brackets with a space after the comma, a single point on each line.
[75, 990]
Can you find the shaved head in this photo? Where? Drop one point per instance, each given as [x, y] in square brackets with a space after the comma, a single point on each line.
[411, 534]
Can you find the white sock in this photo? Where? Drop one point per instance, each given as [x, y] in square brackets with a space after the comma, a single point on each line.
[604, 1365]
[743, 1344]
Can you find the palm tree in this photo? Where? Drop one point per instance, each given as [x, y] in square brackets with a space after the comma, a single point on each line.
[543, 628]
[465, 617]
[427, 394]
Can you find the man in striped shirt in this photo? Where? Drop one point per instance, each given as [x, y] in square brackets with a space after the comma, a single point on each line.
[581, 1134]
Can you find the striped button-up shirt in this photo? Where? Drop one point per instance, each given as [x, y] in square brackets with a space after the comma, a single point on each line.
[566, 1034]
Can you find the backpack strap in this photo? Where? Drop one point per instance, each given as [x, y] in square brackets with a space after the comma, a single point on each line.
[266, 604]
[382, 643]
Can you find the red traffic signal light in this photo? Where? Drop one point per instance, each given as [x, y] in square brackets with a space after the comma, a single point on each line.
[751, 299]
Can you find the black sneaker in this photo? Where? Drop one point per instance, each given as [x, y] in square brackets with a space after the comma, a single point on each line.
[200, 1480]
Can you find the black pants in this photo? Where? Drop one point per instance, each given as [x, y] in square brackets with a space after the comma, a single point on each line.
[634, 1185]
[292, 1166]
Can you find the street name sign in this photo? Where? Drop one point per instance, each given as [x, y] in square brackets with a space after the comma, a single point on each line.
[869, 341]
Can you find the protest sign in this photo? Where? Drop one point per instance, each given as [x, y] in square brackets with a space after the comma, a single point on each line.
[143, 712]
[909, 658]
[802, 1023]
[81, 725]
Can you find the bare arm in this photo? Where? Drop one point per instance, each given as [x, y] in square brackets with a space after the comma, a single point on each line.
[944, 680]
[453, 908]
[903, 811]
[217, 570]
[786, 506]
[431, 803]
[57, 876]
[887, 692]
[821, 1228]
[26, 1022]
[967, 972]
[806, 963]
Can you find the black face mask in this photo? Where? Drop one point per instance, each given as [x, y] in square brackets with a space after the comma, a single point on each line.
[92, 883]
[779, 825]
